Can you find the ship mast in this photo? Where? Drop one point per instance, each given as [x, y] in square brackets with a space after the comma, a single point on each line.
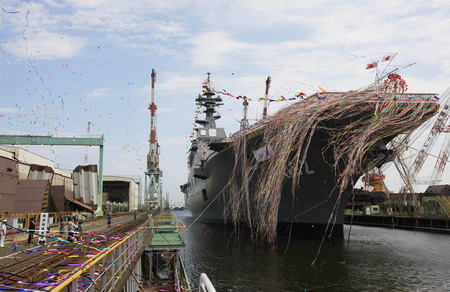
[266, 97]
[153, 196]
[244, 121]
[209, 102]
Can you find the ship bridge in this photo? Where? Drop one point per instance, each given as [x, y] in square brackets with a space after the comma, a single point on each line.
[211, 134]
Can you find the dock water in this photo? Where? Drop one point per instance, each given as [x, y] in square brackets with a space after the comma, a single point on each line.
[374, 259]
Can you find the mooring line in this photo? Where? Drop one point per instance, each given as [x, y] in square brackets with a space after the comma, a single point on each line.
[206, 208]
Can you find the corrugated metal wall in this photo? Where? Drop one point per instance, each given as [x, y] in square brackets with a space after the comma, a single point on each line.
[85, 182]
[32, 196]
[8, 184]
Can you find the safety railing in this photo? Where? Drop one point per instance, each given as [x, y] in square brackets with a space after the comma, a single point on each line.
[204, 284]
[167, 223]
[103, 272]
[165, 218]
[181, 276]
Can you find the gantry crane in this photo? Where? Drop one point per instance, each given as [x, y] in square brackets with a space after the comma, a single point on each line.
[442, 159]
[439, 126]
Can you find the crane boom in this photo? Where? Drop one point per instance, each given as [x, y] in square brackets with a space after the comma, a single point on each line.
[438, 127]
[441, 161]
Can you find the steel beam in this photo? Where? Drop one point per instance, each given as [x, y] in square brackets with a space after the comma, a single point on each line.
[49, 140]
[99, 211]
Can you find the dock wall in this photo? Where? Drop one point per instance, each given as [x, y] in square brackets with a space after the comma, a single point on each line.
[441, 225]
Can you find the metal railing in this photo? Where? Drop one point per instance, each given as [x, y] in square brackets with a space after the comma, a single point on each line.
[104, 271]
[204, 284]
[181, 276]
[168, 223]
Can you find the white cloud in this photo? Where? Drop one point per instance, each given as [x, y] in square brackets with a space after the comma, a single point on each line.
[30, 17]
[176, 82]
[316, 41]
[219, 50]
[87, 4]
[166, 141]
[130, 24]
[171, 85]
[167, 110]
[46, 46]
[8, 110]
[54, 3]
[100, 93]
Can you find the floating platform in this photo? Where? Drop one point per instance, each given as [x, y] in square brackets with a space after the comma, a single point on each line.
[166, 240]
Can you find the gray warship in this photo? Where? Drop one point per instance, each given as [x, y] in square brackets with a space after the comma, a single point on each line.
[308, 210]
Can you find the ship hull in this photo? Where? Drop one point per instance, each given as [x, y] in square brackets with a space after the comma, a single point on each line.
[314, 207]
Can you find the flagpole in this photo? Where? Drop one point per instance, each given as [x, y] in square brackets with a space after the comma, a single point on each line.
[376, 74]
[266, 97]
[395, 54]
[397, 69]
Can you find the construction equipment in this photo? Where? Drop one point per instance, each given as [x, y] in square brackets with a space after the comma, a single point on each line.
[438, 127]
[153, 183]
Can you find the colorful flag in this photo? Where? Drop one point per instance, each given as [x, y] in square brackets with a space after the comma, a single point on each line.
[388, 58]
[372, 65]
[321, 89]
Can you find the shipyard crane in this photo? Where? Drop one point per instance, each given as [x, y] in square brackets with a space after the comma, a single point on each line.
[153, 183]
[442, 159]
[424, 152]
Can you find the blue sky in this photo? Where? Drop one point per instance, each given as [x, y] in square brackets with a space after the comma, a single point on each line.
[69, 62]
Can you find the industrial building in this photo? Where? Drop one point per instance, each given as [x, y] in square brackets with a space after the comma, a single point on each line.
[123, 190]
[30, 183]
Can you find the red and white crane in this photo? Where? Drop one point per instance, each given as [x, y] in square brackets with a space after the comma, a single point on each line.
[153, 183]
[153, 155]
